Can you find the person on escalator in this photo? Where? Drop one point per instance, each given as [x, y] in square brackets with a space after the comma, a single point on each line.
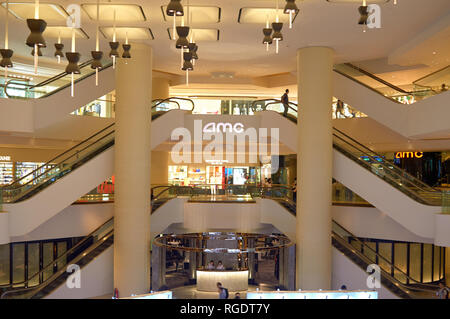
[285, 101]
[294, 190]
[443, 292]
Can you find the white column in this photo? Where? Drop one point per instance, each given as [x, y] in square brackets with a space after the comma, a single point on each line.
[132, 172]
[314, 168]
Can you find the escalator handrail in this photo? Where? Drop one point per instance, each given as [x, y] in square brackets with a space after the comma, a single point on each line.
[44, 284]
[366, 149]
[376, 78]
[173, 99]
[59, 258]
[275, 101]
[378, 255]
[59, 76]
[52, 161]
[405, 288]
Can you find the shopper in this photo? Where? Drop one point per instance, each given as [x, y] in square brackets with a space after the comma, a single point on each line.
[223, 292]
[211, 265]
[220, 265]
[294, 190]
[285, 101]
[237, 295]
[340, 109]
[443, 87]
[443, 292]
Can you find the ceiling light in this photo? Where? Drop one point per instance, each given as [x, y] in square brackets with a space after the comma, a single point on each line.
[97, 54]
[291, 9]
[115, 12]
[35, 39]
[187, 65]
[183, 32]
[47, 11]
[175, 8]
[200, 35]
[135, 33]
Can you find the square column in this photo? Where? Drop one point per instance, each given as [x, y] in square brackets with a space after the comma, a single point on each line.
[132, 172]
[314, 168]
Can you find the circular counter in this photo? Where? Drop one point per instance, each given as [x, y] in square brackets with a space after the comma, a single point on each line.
[232, 280]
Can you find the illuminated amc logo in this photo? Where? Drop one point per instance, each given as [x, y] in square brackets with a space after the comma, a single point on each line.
[223, 128]
[402, 155]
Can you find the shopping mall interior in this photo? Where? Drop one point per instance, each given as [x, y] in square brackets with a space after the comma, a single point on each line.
[286, 149]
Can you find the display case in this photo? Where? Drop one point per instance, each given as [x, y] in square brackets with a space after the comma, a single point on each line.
[178, 175]
[6, 172]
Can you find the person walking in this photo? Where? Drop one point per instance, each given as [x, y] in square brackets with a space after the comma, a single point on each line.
[294, 190]
[443, 292]
[285, 101]
[223, 292]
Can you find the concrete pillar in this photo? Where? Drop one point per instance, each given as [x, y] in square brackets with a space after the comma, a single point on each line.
[314, 168]
[160, 168]
[160, 88]
[132, 172]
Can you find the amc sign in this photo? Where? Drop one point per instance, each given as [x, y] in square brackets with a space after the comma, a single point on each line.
[402, 155]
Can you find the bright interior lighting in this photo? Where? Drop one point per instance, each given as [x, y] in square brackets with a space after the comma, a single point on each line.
[47, 11]
[124, 12]
[131, 32]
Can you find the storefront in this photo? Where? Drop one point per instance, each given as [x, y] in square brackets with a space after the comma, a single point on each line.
[192, 175]
[11, 171]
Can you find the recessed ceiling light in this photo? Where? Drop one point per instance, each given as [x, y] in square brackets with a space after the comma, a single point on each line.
[47, 11]
[123, 12]
[133, 33]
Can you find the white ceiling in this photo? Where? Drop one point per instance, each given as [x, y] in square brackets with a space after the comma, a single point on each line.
[239, 50]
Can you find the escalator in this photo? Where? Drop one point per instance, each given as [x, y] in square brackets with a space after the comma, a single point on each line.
[63, 164]
[361, 254]
[15, 89]
[374, 163]
[81, 254]
[420, 112]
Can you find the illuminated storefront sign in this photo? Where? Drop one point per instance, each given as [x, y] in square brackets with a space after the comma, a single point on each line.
[5, 158]
[223, 128]
[409, 155]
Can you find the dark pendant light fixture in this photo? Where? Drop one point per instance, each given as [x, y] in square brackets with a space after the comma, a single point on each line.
[73, 58]
[187, 65]
[6, 53]
[364, 15]
[114, 45]
[97, 54]
[277, 36]
[59, 53]
[182, 41]
[6, 59]
[126, 51]
[35, 39]
[174, 9]
[291, 9]
[193, 50]
[126, 48]
[267, 37]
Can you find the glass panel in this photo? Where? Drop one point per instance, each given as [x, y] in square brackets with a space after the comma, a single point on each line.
[18, 263]
[415, 261]
[4, 264]
[427, 262]
[400, 254]
[33, 264]
[371, 253]
[47, 258]
[385, 251]
[61, 249]
[436, 266]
